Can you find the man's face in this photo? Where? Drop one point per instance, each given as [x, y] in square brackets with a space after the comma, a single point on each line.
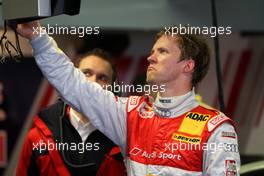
[164, 62]
[96, 70]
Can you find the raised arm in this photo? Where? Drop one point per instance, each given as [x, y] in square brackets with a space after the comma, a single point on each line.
[105, 111]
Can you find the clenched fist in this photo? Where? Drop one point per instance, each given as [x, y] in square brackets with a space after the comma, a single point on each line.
[29, 30]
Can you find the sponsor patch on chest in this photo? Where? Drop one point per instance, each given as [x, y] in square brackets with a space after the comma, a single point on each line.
[133, 102]
[184, 138]
[145, 111]
[194, 123]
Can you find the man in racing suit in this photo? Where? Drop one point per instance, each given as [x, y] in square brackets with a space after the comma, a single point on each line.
[171, 135]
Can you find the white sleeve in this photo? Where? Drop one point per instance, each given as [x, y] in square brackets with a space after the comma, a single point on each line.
[222, 154]
[106, 112]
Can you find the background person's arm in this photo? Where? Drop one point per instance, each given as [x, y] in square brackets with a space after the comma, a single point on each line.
[107, 113]
[26, 163]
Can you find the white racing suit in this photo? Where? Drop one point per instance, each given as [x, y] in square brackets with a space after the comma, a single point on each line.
[150, 134]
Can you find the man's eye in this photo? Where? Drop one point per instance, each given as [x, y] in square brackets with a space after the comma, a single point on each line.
[161, 50]
[103, 78]
[87, 74]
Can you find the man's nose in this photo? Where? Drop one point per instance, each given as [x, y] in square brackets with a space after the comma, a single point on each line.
[152, 58]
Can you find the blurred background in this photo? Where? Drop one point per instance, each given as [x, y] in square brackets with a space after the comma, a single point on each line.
[127, 31]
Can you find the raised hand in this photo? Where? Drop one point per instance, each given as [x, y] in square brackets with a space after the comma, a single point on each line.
[29, 30]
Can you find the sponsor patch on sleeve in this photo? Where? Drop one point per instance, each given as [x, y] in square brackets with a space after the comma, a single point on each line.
[230, 166]
[228, 134]
[215, 121]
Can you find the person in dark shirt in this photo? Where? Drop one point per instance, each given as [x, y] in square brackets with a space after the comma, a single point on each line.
[64, 142]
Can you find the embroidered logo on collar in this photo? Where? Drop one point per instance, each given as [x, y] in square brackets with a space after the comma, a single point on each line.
[163, 112]
[165, 100]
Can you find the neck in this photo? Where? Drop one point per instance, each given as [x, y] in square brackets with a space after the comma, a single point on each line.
[171, 90]
[81, 116]
[174, 106]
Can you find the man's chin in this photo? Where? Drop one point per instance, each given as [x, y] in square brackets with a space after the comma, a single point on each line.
[151, 81]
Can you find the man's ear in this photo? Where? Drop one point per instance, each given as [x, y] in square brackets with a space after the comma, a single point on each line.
[189, 66]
